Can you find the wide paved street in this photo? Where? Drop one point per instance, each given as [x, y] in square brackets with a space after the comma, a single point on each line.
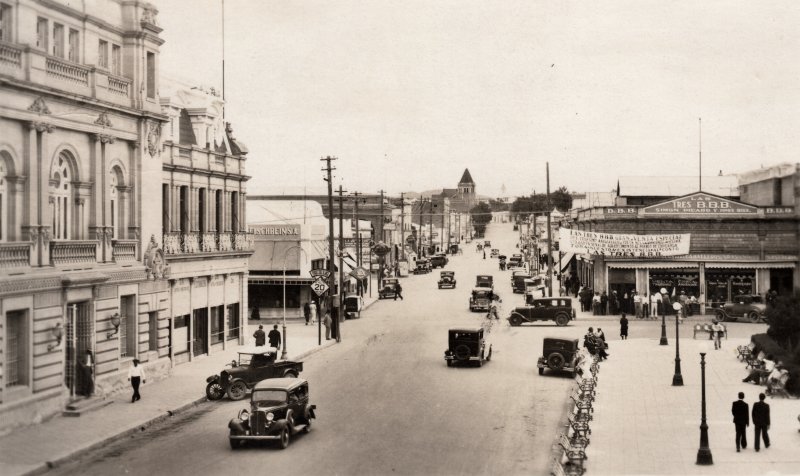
[387, 403]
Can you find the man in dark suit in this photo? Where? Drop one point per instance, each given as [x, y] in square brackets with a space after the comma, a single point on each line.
[761, 420]
[741, 419]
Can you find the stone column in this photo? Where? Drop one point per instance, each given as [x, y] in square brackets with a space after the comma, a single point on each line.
[702, 287]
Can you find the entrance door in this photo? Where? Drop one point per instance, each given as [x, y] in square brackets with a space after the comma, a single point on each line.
[200, 324]
[79, 329]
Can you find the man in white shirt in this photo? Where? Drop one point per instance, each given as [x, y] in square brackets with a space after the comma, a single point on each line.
[136, 376]
[655, 300]
[757, 374]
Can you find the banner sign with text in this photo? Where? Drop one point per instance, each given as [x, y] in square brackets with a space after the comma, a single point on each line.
[701, 204]
[623, 245]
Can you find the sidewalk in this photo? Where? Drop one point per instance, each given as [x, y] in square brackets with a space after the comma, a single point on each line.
[644, 425]
[32, 450]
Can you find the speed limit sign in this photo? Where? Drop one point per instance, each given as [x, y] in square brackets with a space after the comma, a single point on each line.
[319, 286]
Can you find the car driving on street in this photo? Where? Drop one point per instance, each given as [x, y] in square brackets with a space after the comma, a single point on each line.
[466, 345]
[747, 306]
[447, 279]
[543, 309]
[254, 365]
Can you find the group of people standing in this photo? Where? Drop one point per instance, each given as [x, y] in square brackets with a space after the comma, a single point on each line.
[741, 420]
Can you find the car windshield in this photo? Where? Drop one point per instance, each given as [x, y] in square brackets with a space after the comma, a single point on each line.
[245, 359]
[269, 398]
[480, 294]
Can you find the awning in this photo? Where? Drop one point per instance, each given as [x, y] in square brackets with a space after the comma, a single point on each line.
[695, 264]
[278, 280]
[565, 260]
[761, 265]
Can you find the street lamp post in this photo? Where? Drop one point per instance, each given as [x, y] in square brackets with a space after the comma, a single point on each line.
[704, 452]
[677, 378]
[663, 317]
[285, 254]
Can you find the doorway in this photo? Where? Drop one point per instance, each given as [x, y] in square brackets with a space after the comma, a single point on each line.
[78, 337]
[200, 325]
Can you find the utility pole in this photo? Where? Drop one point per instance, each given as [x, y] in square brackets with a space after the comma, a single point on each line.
[341, 265]
[380, 240]
[441, 232]
[381, 222]
[549, 238]
[331, 250]
[402, 227]
[358, 230]
[430, 223]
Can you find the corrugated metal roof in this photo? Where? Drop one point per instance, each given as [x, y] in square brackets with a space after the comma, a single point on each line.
[677, 186]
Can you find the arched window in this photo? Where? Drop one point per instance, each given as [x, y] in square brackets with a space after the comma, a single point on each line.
[61, 204]
[4, 201]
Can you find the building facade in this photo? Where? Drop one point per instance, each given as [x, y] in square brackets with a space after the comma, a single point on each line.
[80, 122]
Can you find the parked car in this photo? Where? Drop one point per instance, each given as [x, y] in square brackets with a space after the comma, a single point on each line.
[254, 365]
[480, 299]
[494, 253]
[534, 288]
[748, 306]
[515, 261]
[561, 355]
[423, 266]
[279, 409]
[389, 289]
[453, 249]
[518, 281]
[438, 261]
[543, 309]
[447, 279]
[353, 304]
[466, 345]
[484, 281]
[487, 243]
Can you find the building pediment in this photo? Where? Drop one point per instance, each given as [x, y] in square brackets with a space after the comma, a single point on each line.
[701, 203]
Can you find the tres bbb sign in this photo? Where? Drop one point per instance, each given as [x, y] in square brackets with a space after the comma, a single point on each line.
[701, 204]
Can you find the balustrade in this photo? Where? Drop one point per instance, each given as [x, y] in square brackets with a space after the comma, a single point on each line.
[10, 56]
[119, 85]
[72, 252]
[67, 71]
[209, 242]
[190, 243]
[172, 243]
[124, 250]
[224, 242]
[15, 255]
[243, 241]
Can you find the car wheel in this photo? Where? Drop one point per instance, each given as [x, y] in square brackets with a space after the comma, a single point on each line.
[555, 361]
[214, 391]
[462, 352]
[541, 371]
[516, 320]
[753, 316]
[721, 317]
[237, 390]
[307, 429]
[290, 374]
[449, 363]
[284, 441]
[562, 320]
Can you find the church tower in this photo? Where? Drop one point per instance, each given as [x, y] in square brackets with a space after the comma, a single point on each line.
[466, 188]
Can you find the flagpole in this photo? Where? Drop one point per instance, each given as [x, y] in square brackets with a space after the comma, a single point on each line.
[700, 152]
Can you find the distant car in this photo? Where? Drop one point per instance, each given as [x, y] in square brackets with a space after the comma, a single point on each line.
[453, 249]
[544, 309]
[534, 287]
[487, 243]
[254, 365]
[353, 304]
[518, 281]
[494, 253]
[561, 355]
[438, 261]
[466, 345]
[747, 306]
[484, 281]
[279, 409]
[423, 266]
[389, 289]
[515, 261]
[447, 279]
[481, 299]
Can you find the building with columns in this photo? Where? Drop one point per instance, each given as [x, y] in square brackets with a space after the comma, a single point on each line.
[81, 128]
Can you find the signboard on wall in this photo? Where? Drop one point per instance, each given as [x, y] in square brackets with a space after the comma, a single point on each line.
[623, 245]
[275, 232]
[700, 204]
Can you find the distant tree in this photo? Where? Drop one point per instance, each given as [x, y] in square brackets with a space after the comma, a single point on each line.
[561, 199]
[481, 215]
[784, 323]
[498, 205]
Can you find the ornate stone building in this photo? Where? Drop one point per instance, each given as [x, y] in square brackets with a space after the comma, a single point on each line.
[81, 275]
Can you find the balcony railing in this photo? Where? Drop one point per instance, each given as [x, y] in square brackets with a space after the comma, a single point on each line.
[243, 241]
[67, 71]
[209, 242]
[124, 250]
[73, 252]
[172, 243]
[10, 56]
[15, 255]
[118, 85]
[176, 243]
[224, 242]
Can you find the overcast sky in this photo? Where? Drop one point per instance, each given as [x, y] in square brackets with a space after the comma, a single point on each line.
[409, 93]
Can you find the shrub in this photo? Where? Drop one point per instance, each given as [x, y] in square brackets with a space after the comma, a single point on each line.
[764, 342]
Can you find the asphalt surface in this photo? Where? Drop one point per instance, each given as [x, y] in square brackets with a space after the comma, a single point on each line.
[386, 401]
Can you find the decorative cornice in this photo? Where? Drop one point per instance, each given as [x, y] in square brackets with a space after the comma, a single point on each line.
[39, 106]
[104, 138]
[42, 126]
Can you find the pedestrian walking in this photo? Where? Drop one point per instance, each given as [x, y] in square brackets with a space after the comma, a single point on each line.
[596, 303]
[716, 333]
[307, 312]
[741, 419]
[398, 291]
[312, 307]
[274, 337]
[603, 304]
[623, 327]
[761, 420]
[327, 322]
[484, 254]
[260, 336]
[135, 377]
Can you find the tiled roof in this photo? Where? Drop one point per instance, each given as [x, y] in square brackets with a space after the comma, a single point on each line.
[466, 178]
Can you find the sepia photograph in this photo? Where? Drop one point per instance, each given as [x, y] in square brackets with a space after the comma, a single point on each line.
[212, 213]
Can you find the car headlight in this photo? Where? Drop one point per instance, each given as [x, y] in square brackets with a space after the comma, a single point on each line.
[244, 415]
[270, 416]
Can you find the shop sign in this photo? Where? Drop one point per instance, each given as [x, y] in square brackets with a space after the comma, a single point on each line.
[700, 204]
[779, 210]
[623, 245]
[275, 232]
[620, 211]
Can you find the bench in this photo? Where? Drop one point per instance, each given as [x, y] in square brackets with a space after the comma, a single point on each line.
[753, 362]
[579, 428]
[778, 387]
[745, 351]
[582, 405]
[707, 329]
[580, 416]
[575, 455]
[584, 397]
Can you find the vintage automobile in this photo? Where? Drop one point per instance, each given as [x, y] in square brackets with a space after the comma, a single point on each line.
[487, 243]
[279, 409]
[353, 304]
[518, 281]
[438, 261]
[484, 281]
[466, 345]
[453, 249]
[494, 253]
[254, 365]
[423, 266]
[389, 289]
[747, 306]
[515, 261]
[558, 309]
[562, 355]
[481, 299]
[534, 287]
[447, 279]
